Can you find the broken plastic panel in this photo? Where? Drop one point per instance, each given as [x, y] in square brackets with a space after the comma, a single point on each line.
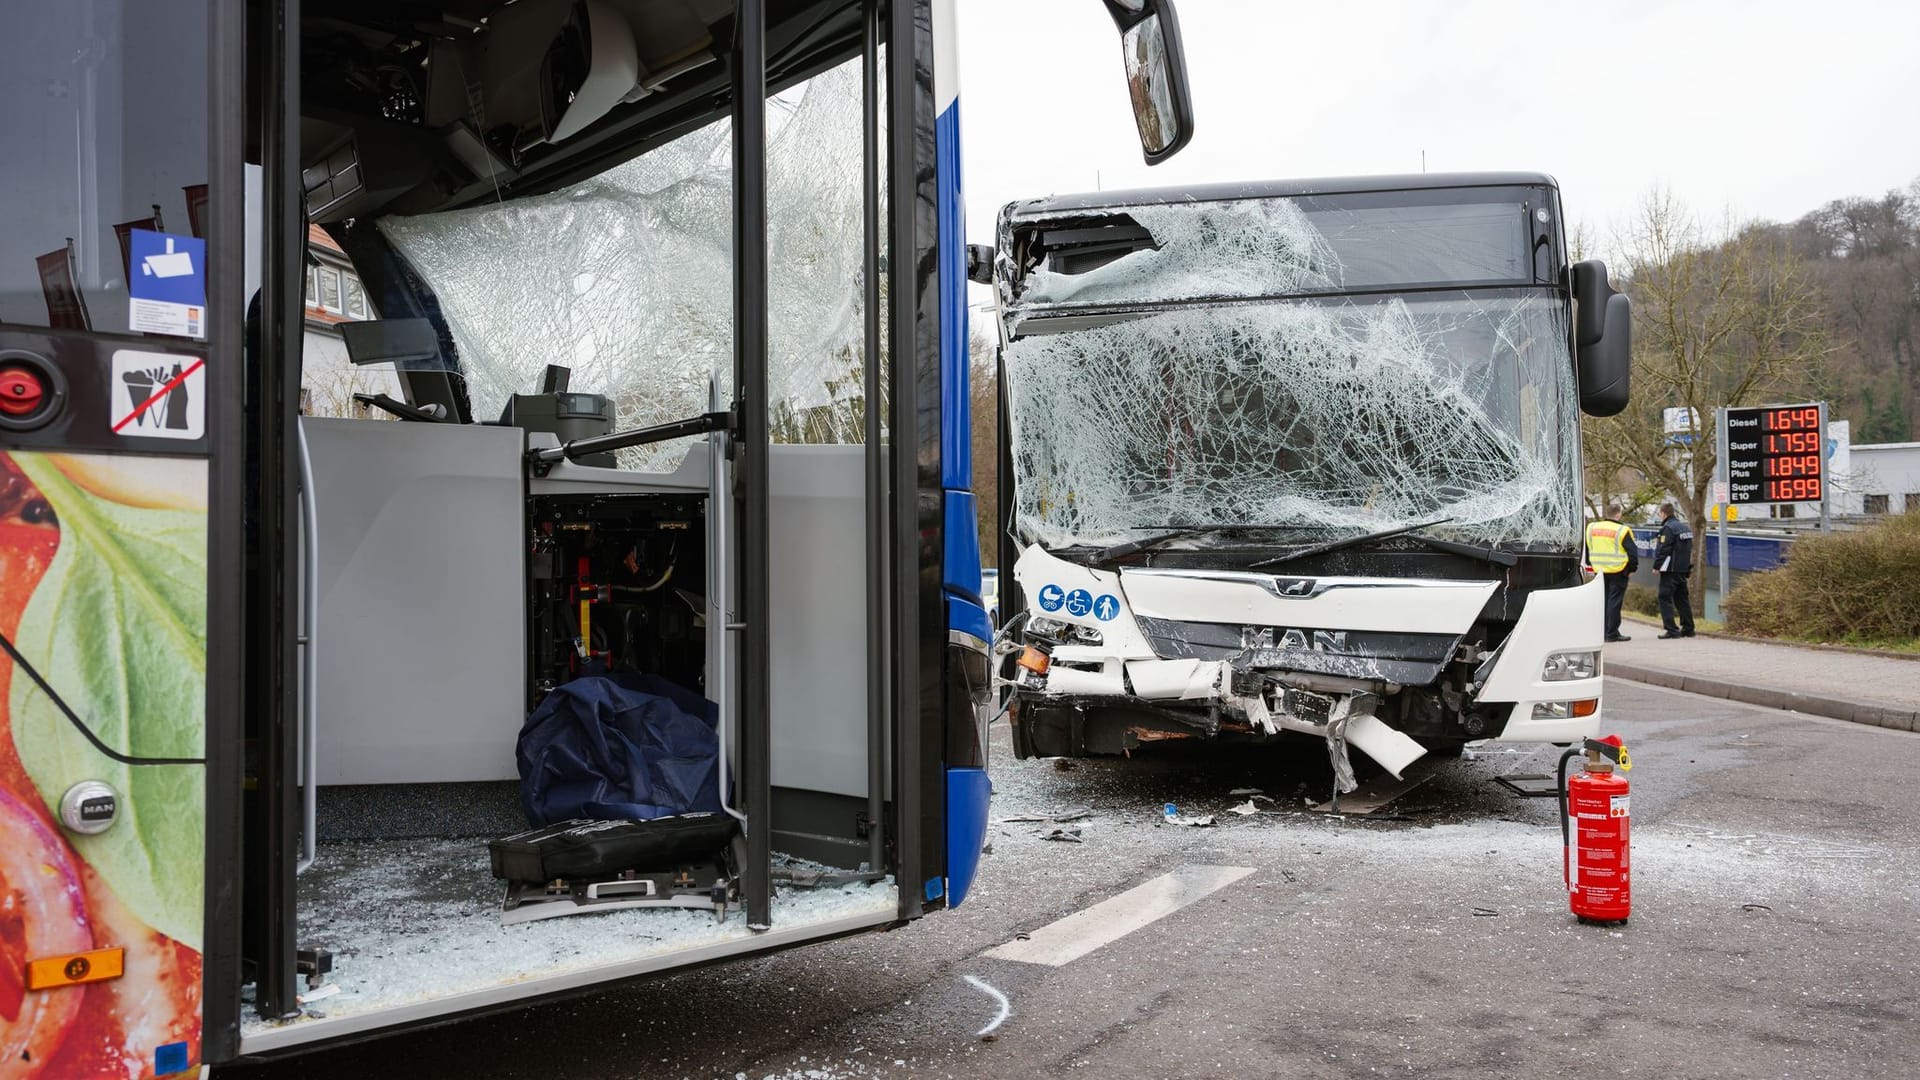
[1364, 414]
[627, 278]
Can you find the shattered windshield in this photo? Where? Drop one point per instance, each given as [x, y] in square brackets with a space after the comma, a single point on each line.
[1344, 413]
[1273, 247]
[626, 278]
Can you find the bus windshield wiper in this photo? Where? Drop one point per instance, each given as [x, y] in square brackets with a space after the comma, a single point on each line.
[1349, 541]
[1471, 551]
[1174, 532]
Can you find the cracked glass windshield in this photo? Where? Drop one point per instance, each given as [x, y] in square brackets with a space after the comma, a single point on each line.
[626, 278]
[1145, 392]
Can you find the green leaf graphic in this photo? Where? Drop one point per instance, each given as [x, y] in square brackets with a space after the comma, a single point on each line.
[118, 627]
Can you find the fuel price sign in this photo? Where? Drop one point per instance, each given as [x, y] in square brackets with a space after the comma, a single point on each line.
[1776, 454]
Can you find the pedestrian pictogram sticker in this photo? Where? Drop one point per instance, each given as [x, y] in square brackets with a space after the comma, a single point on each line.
[158, 395]
[166, 284]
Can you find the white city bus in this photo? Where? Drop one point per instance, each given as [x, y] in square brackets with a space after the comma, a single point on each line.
[1301, 458]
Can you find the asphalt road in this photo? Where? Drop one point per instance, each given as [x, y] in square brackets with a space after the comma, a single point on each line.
[1776, 896]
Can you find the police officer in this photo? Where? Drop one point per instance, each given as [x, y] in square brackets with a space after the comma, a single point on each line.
[1613, 553]
[1673, 558]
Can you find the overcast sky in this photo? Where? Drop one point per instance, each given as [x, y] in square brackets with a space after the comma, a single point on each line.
[1765, 107]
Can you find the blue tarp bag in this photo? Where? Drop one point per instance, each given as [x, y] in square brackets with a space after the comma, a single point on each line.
[619, 747]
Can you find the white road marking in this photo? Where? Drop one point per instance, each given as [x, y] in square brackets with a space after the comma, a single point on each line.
[1006, 1007]
[1066, 940]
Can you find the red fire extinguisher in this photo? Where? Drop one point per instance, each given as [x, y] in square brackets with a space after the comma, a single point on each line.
[1595, 818]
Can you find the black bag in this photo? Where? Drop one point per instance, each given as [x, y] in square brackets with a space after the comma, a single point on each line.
[598, 849]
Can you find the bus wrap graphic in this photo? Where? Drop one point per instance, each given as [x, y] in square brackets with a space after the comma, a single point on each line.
[114, 917]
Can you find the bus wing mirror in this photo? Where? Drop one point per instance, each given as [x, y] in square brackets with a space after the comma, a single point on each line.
[1156, 67]
[1606, 366]
[1590, 292]
[980, 264]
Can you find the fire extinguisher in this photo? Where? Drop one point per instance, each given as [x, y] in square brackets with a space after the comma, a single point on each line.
[1595, 818]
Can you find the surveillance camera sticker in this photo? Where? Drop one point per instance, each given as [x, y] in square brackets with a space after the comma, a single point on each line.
[166, 284]
[158, 395]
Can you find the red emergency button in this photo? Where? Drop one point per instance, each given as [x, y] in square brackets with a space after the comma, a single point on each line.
[21, 391]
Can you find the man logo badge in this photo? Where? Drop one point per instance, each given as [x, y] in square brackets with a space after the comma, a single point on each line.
[1264, 638]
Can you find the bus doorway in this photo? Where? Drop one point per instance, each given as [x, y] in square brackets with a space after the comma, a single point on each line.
[608, 518]
[537, 586]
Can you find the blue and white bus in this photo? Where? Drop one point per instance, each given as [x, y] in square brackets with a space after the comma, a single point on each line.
[374, 376]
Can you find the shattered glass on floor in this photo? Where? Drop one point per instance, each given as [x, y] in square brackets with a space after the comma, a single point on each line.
[410, 921]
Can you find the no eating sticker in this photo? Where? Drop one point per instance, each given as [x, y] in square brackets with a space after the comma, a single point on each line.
[158, 395]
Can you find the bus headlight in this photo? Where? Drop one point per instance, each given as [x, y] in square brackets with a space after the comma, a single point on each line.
[1565, 710]
[1565, 666]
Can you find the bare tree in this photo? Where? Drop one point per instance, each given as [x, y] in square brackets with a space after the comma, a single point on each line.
[329, 391]
[984, 381]
[1722, 317]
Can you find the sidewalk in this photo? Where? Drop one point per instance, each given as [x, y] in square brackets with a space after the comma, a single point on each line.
[1879, 690]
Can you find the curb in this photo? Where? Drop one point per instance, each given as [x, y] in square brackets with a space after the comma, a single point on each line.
[1858, 712]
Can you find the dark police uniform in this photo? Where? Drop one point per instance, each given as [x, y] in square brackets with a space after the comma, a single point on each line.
[1673, 558]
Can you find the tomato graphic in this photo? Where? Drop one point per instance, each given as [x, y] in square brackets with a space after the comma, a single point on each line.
[42, 913]
[28, 539]
[42, 903]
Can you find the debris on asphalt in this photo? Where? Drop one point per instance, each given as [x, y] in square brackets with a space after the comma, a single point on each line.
[1172, 815]
[1057, 817]
[1246, 791]
[1071, 836]
[1376, 794]
[1485, 913]
[1244, 809]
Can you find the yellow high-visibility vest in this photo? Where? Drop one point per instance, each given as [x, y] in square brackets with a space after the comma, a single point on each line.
[1606, 546]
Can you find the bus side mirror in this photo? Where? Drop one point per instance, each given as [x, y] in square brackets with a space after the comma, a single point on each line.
[1156, 66]
[980, 264]
[1602, 340]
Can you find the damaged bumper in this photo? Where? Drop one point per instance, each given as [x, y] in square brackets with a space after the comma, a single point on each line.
[1260, 653]
[1554, 698]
